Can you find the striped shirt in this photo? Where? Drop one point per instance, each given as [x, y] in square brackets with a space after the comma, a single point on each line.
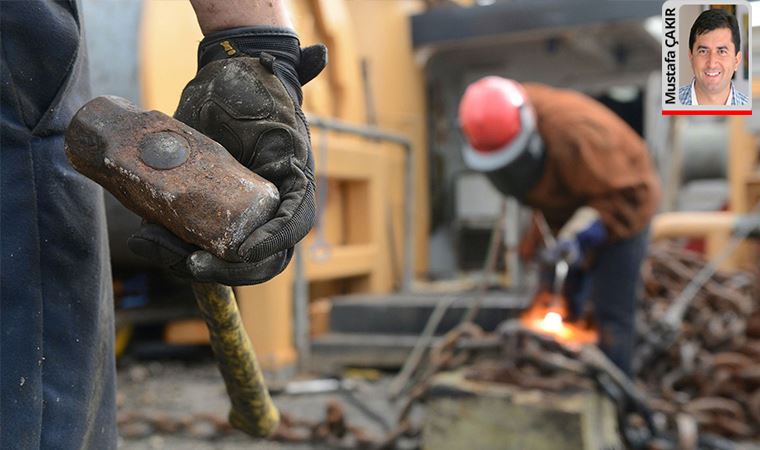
[687, 96]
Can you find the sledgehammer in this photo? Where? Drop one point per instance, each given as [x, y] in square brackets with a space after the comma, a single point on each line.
[171, 174]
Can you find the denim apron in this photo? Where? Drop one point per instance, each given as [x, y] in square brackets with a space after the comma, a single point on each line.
[56, 317]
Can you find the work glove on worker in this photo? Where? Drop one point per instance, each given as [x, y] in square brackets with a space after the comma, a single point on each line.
[582, 234]
[247, 96]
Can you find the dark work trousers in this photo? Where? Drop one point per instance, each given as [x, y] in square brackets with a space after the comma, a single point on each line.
[615, 284]
[56, 316]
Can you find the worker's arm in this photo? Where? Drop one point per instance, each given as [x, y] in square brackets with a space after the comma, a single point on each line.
[216, 15]
[247, 96]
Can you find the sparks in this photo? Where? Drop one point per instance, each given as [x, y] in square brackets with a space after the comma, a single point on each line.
[548, 315]
[552, 322]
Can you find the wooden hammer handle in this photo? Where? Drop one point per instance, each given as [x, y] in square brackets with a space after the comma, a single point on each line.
[252, 408]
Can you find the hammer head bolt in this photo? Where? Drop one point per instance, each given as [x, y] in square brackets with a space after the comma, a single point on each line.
[163, 150]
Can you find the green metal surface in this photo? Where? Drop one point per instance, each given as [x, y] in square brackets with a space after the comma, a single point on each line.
[485, 416]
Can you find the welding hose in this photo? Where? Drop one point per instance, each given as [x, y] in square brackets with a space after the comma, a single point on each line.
[252, 409]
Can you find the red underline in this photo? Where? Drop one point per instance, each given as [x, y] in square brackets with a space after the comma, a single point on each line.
[706, 112]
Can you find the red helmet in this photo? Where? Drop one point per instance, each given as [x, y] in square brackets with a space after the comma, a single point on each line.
[490, 113]
[500, 125]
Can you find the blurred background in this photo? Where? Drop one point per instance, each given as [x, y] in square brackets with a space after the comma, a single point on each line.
[402, 223]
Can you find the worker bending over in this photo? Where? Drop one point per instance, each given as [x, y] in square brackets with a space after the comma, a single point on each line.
[587, 172]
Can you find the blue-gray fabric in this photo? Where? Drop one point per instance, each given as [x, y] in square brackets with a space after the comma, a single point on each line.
[56, 316]
[737, 98]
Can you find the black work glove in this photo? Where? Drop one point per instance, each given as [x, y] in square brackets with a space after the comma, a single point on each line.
[247, 96]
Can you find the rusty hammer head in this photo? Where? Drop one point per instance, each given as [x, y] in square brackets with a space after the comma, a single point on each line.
[170, 174]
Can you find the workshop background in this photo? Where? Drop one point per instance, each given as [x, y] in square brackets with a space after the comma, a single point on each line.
[401, 248]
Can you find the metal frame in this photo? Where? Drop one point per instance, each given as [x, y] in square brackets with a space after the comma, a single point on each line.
[450, 24]
[376, 134]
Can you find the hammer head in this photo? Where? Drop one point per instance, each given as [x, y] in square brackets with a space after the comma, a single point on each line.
[170, 174]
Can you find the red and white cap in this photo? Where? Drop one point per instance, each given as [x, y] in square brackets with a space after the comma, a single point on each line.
[497, 121]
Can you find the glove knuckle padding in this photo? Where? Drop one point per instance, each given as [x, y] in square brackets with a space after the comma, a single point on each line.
[235, 102]
[236, 85]
[274, 151]
[246, 108]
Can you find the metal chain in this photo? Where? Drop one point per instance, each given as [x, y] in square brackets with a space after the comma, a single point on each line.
[135, 424]
[714, 360]
[333, 430]
[705, 389]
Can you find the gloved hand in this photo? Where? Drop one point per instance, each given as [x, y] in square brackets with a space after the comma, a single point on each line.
[247, 96]
[568, 250]
[584, 232]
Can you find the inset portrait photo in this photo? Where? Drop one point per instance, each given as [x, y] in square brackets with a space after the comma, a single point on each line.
[706, 54]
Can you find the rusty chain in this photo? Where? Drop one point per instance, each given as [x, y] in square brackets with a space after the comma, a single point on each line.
[704, 389]
[712, 371]
[139, 424]
[333, 430]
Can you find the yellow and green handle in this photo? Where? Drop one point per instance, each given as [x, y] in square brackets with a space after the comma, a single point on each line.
[252, 408]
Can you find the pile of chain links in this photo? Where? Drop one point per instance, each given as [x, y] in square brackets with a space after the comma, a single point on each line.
[701, 393]
[333, 430]
[457, 349]
[134, 424]
[707, 384]
[709, 379]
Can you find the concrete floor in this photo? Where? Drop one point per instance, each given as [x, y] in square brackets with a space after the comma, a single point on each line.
[181, 389]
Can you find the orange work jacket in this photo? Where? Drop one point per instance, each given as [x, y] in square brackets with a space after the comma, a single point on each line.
[593, 158]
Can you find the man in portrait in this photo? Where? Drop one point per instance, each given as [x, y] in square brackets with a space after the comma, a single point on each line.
[714, 44]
